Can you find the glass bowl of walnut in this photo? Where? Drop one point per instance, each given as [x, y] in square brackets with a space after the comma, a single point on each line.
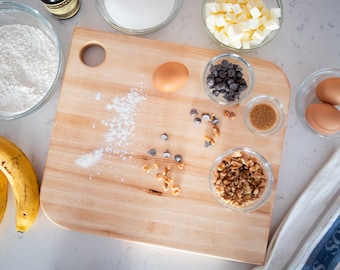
[241, 180]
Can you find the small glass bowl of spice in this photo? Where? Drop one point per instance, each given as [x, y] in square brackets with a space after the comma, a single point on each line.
[241, 180]
[264, 115]
[228, 78]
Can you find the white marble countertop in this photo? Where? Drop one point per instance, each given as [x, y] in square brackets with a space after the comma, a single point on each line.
[309, 40]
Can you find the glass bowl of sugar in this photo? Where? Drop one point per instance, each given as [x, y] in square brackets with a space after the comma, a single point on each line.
[31, 60]
[135, 17]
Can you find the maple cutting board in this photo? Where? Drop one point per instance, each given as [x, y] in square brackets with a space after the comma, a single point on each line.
[99, 177]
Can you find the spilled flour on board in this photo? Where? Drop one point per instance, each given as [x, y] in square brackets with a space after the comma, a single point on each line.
[120, 127]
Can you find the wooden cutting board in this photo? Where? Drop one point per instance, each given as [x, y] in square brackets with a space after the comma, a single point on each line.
[109, 117]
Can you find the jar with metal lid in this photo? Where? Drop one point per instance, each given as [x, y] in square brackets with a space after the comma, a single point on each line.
[62, 9]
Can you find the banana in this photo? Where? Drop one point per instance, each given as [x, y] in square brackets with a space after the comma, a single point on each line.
[3, 195]
[18, 170]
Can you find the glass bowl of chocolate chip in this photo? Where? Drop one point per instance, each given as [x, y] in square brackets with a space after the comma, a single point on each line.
[241, 179]
[228, 78]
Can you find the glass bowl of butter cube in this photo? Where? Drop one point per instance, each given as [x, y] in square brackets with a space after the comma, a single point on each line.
[242, 25]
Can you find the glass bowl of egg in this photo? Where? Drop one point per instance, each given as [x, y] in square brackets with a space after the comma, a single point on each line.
[241, 179]
[318, 103]
[242, 25]
[228, 78]
[136, 17]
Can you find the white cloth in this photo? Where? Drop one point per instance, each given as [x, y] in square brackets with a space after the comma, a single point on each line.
[309, 236]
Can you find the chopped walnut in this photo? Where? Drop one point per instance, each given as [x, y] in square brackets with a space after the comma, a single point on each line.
[231, 115]
[210, 140]
[239, 179]
[147, 168]
[180, 165]
[175, 190]
[165, 186]
[215, 130]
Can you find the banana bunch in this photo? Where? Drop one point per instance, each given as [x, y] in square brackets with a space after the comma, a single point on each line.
[17, 170]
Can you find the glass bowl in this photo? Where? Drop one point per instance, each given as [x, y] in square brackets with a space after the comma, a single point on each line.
[219, 83]
[242, 27]
[32, 55]
[151, 15]
[306, 96]
[250, 189]
[264, 115]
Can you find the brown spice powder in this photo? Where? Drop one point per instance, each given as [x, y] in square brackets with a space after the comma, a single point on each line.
[262, 116]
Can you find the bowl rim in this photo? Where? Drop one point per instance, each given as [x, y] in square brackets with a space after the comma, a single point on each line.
[300, 112]
[266, 167]
[278, 108]
[16, 6]
[174, 12]
[267, 40]
[250, 83]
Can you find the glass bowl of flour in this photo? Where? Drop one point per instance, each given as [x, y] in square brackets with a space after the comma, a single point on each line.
[136, 17]
[31, 60]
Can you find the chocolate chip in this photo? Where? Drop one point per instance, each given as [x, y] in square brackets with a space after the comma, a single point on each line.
[226, 79]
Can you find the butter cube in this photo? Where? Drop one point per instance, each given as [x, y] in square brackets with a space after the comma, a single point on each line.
[220, 36]
[265, 12]
[220, 20]
[258, 36]
[212, 7]
[246, 36]
[237, 9]
[227, 7]
[244, 26]
[272, 24]
[230, 17]
[210, 20]
[254, 23]
[241, 18]
[255, 12]
[250, 5]
[234, 32]
[246, 45]
[275, 12]
[236, 44]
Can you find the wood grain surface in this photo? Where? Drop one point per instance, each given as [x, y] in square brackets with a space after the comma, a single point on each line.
[116, 197]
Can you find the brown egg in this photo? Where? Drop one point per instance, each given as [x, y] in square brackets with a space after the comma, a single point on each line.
[323, 118]
[170, 76]
[329, 91]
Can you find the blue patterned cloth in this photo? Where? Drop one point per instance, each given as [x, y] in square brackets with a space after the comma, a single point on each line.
[326, 254]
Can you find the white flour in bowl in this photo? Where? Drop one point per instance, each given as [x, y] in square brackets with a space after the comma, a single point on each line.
[28, 66]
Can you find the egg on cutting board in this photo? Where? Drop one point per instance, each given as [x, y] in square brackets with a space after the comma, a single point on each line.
[328, 91]
[323, 118]
[170, 77]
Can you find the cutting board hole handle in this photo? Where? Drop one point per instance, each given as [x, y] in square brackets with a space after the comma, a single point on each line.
[92, 54]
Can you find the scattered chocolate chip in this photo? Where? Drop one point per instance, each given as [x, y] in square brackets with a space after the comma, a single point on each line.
[197, 120]
[178, 158]
[164, 137]
[193, 112]
[152, 152]
[166, 154]
[206, 117]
